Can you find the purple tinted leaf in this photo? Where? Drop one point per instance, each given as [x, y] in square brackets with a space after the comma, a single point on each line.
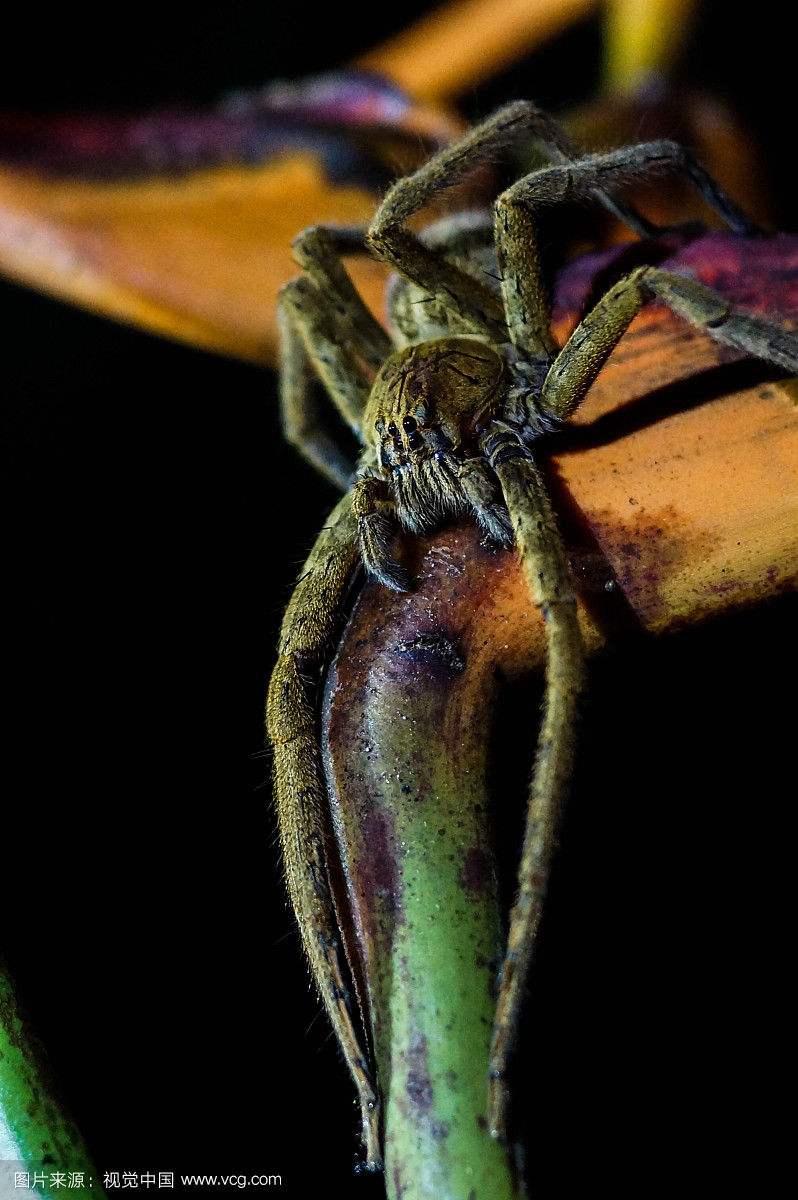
[338, 118]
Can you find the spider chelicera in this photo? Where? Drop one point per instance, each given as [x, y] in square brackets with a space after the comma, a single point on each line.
[452, 406]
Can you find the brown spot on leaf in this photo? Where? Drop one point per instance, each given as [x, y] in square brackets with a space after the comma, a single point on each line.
[419, 1085]
[646, 550]
[377, 868]
[398, 1185]
[476, 873]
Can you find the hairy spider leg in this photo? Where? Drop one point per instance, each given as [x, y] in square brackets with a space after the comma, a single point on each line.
[309, 335]
[459, 290]
[302, 423]
[300, 792]
[579, 362]
[516, 220]
[569, 378]
[468, 297]
[415, 316]
[319, 251]
[548, 578]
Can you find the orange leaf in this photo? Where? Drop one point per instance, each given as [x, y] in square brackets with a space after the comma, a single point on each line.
[199, 259]
[462, 43]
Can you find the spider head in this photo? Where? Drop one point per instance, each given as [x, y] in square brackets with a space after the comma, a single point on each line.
[428, 401]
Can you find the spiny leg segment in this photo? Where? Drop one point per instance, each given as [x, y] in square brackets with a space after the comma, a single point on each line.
[309, 336]
[301, 798]
[579, 362]
[545, 566]
[303, 426]
[465, 295]
[548, 578]
[324, 324]
[318, 251]
[516, 216]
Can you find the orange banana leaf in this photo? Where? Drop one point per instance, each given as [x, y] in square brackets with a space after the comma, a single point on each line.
[163, 221]
[198, 259]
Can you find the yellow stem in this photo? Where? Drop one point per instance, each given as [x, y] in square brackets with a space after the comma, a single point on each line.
[642, 38]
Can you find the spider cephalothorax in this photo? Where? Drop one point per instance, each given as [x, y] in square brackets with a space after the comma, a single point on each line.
[428, 407]
[451, 404]
[449, 387]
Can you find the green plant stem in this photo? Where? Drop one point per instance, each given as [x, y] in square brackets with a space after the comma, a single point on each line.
[39, 1142]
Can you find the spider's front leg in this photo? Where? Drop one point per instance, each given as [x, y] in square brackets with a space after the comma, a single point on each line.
[589, 346]
[319, 251]
[325, 327]
[516, 218]
[470, 301]
[300, 793]
[546, 571]
[308, 339]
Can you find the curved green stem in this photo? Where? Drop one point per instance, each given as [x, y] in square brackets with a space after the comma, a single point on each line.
[42, 1153]
[408, 783]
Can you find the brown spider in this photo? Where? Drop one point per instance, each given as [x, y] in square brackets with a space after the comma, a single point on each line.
[451, 407]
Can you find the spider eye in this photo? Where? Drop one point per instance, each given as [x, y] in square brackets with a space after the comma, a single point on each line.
[392, 429]
[409, 424]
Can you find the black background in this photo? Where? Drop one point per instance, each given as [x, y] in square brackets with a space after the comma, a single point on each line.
[153, 524]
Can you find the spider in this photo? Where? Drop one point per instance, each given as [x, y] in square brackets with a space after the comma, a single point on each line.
[453, 405]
